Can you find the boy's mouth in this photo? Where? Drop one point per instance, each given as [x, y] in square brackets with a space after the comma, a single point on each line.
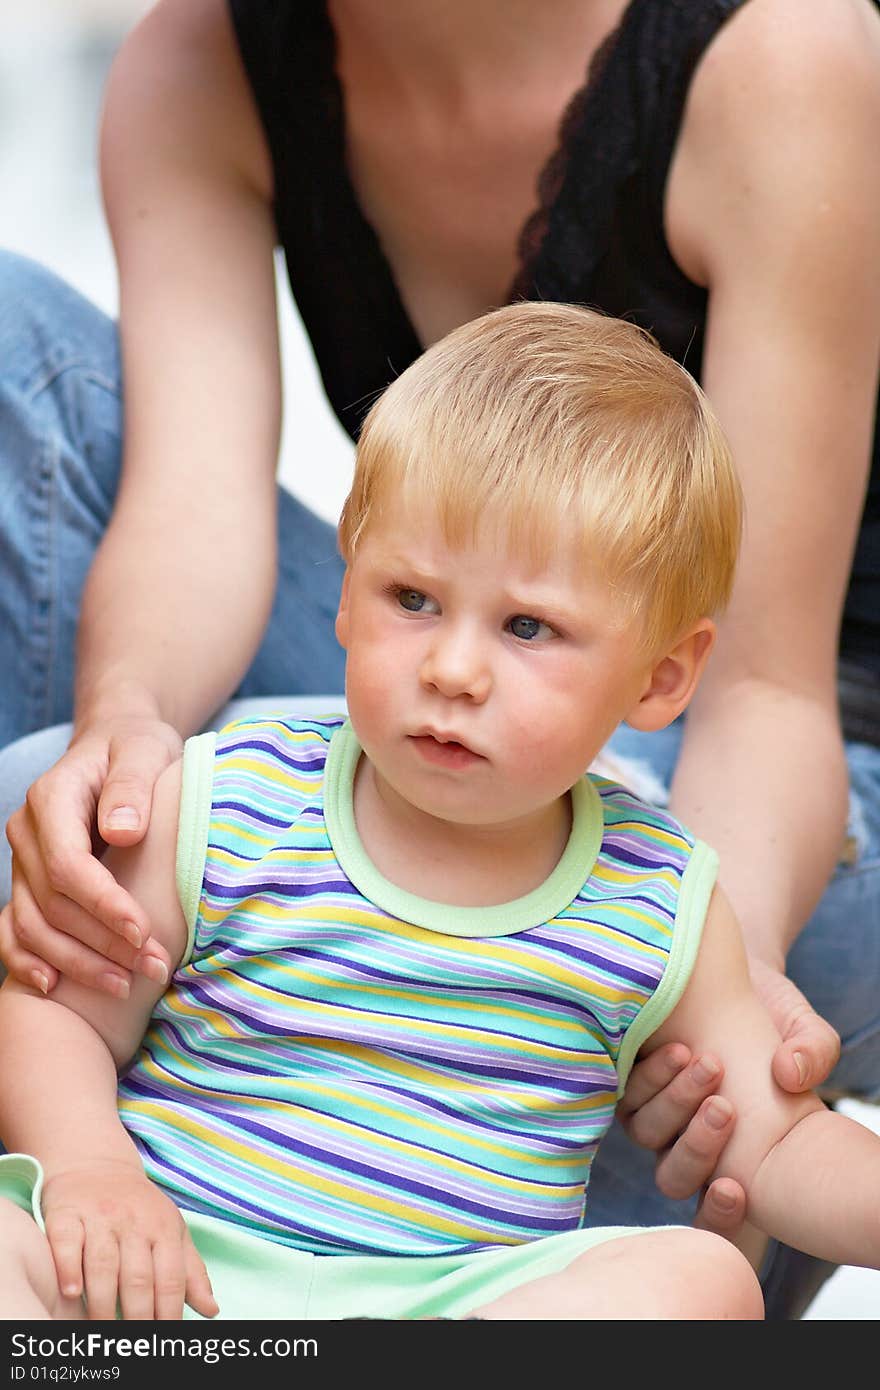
[444, 751]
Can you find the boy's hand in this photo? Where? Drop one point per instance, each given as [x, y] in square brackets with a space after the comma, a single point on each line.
[68, 914]
[115, 1235]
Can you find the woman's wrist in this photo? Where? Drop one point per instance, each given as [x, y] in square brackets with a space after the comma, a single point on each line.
[114, 700]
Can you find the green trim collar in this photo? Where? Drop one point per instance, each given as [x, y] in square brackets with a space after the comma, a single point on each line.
[501, 919]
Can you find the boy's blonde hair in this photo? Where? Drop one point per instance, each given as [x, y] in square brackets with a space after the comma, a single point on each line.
[562, 425]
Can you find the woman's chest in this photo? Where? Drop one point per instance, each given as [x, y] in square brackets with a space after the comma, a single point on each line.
[448, 212]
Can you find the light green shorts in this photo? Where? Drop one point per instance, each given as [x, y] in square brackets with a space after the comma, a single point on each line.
[255, 1278]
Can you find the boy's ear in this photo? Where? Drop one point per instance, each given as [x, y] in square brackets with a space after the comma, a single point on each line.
[342, 614]
[673, 679]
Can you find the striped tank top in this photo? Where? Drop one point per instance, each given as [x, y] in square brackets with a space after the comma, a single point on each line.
[346, 1068]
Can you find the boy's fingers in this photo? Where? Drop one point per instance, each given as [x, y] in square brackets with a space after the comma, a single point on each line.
[101, 1271]
[65, 1235]
[169, 1276]
[136, 1293]
[659, 1122]
[199, 1294]
[693, 1158]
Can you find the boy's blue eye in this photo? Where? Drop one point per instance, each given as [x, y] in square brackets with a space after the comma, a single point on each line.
[526, 629]
[413, 600]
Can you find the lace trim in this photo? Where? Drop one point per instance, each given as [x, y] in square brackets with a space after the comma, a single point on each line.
[552, 179]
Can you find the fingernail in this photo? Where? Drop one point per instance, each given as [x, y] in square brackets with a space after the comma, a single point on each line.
[132, 932]
[153, 968]
[122, 818]
[675, 1062]
[717, 1114]
[116, 985]
[724, 1201]
[801, 1067]
[704, 1071]
[40, 981]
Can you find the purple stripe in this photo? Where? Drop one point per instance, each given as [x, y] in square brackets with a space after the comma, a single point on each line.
[313, 764]
[250, 813]
[239, 887]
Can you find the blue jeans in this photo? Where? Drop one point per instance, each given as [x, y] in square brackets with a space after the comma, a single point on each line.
[60, 427]
[60, 432]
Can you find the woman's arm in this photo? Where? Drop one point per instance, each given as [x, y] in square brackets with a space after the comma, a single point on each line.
[811, 1176]
[182, 584]
[774, 204]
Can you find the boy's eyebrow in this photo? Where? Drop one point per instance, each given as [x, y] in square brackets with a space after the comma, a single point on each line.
[547, 604]
[405, 567]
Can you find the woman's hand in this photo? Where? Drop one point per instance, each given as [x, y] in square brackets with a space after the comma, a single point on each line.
[810, 1047]
[670, 1105]
[68, 915]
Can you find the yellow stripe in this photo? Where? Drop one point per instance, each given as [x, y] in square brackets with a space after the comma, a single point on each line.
[264, 771]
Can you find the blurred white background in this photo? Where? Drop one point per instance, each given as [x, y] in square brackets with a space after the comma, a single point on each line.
[53, 59]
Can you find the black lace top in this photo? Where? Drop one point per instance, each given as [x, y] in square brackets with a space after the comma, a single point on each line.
[596, 236]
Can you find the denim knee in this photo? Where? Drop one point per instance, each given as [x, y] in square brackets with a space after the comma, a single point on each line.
[46, 324]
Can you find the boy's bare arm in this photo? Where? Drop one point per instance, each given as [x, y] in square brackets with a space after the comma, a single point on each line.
[811, 1176]
[110, 1230]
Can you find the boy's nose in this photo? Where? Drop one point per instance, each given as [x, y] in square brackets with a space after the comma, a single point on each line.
[456, 664]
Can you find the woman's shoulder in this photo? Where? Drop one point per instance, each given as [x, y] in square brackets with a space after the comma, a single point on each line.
[782, 113]
[182, 65]
[784, 50]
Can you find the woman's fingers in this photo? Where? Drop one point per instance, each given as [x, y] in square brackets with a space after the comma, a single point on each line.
[692, 1159]
[810, 1047]
[66, 954]
[723, 1208]
[52, 852]
[136, 763]
[658, 1120]
[651, 1075]
[808, 1055]
[25, 967]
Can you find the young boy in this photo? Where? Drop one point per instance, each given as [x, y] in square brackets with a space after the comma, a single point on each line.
[419, 952]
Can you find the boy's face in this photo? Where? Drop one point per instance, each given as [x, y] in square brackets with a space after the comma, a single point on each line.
[479, 688]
